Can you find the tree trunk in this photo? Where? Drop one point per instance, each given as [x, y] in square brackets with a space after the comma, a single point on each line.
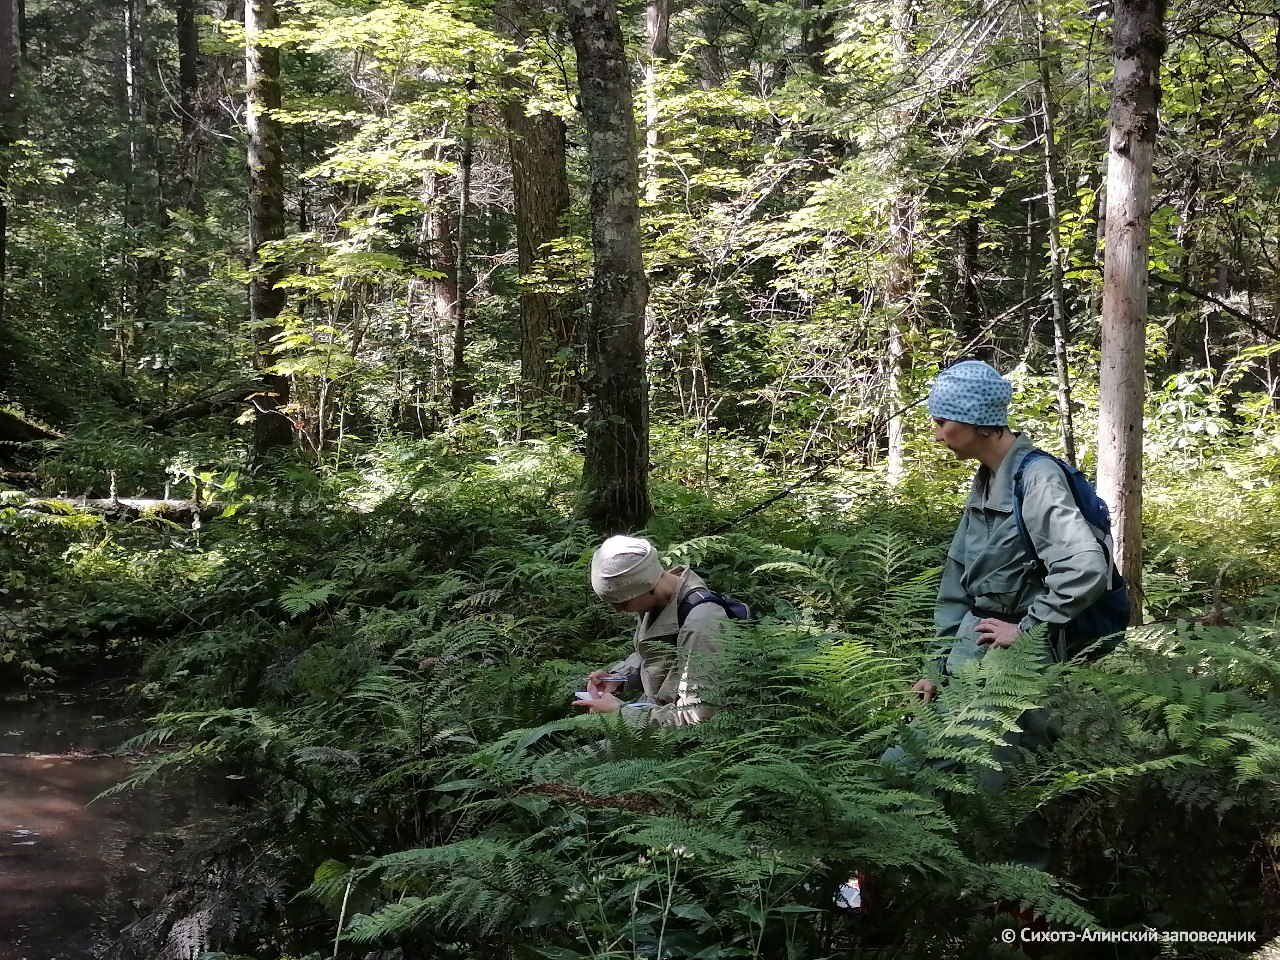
[900, 285]
[1138, 45]
[1057, 294]
[190, 150]
[131, 290]
[540, 188]
[439, 250]
[815, 34]
[132, 85]
[10, 46]
[460, 390]
[616, 467]
[711, 68]
[1186, 236]
[272, 428]
[657, 25]
[967, 254]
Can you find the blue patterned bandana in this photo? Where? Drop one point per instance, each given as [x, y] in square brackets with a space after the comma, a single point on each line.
[971, 392]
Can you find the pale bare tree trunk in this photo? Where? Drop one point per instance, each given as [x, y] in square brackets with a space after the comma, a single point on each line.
[657, 25]
[1186, 235]
[133, 97]
[1138, 45]
[900, 286]
[439, 249]
[272, 428]
[1061, 321]
[616, 466]
[131, 286]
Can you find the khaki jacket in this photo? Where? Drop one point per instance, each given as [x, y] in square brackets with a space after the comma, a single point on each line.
[987, 567]
[669, 662]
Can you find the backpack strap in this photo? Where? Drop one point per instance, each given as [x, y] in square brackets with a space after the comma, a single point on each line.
[695, 598]
[1019, 491]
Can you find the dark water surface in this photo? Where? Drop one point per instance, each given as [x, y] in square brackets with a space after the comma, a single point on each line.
[74, 873]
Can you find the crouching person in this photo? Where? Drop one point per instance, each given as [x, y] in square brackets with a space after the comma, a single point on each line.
[678, 621]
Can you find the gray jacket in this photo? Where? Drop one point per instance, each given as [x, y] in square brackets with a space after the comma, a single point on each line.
[669, 662]
[987, 567]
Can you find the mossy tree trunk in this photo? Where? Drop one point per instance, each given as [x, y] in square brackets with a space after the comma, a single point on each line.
[616, 468]
[272, 428]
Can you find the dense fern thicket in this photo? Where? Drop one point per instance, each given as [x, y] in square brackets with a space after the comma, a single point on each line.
[387, 654]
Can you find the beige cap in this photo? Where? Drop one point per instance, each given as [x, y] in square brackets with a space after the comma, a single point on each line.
[625, 567]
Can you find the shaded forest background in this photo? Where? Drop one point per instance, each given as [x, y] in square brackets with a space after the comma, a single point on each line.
[349, 336]
[834, 205]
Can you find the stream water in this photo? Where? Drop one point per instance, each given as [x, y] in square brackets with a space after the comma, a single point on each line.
[74, 871]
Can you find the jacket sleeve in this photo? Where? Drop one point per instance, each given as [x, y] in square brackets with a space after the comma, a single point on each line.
[697, 647]
[629, 668]
[953, 602]
[1076, 565]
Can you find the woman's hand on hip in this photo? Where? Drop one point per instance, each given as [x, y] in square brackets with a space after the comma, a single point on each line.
[996, 633]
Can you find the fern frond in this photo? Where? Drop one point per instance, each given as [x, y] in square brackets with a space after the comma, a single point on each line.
[304, 595]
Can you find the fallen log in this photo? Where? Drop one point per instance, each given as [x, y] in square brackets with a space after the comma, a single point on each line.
[132, 508]
[203, 405]
[22, 479]
[16, 427]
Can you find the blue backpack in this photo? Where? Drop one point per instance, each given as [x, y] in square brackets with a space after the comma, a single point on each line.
[1100, 628]
[736, 609]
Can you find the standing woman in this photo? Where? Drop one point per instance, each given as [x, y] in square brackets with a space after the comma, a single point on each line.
[991, 594]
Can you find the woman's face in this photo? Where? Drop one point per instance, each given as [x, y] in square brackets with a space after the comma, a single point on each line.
[962, 439]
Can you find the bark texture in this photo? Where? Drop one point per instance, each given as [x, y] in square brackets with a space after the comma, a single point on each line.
[1138, 45]
[460, 390]
[10, 45]
[438, 248]
[191, 149]
[272, 428]
[615, 473]
[540, 188]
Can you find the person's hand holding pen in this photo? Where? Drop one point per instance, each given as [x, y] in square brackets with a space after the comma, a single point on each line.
[603, 681]
[602, 685]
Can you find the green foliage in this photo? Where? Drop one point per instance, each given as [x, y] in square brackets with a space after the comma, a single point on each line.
[381, 634]
[393, 682]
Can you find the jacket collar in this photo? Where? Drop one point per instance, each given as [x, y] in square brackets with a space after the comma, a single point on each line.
[999, 495]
